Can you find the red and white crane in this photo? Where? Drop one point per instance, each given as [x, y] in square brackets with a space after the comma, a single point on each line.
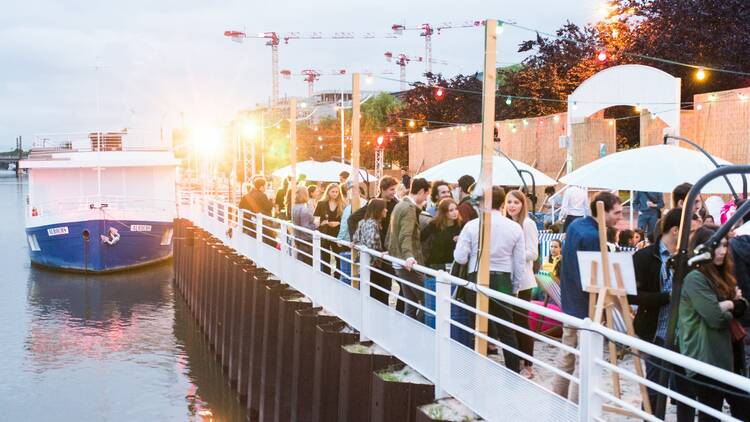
[428, 31]
[402, 60]
[275, 38]
[311, 76]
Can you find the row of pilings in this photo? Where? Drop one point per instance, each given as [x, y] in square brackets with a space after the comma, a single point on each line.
[286, 359]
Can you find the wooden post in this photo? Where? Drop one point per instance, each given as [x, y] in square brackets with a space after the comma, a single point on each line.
[356, 96]
[485, 177]
[293, 145]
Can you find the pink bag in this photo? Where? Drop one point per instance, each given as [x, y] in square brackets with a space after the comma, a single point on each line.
[547, 323]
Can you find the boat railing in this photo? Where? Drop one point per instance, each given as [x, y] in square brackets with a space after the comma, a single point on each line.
[97, 141]
[441, 345]
[103, 202]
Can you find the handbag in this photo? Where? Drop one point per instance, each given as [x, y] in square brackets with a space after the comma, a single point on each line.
[737, 330]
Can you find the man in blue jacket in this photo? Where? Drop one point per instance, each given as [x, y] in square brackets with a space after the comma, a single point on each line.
[648, 205]
[582, 235]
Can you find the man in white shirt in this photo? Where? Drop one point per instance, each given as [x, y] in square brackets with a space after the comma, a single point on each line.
[507, 266]
[575, 204]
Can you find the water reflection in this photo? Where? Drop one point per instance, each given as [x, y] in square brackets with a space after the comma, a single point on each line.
[116, 347]
[74, 316]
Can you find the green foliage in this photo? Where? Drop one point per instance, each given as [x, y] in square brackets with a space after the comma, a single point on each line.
[375, 111]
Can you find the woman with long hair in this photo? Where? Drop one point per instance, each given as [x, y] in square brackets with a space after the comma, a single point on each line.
[368, 229]
[329, 211]
[302, 216]
[439, 236]
[710, 304]
[516, 209]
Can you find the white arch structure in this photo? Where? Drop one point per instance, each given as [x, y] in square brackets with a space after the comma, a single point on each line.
[629, 84]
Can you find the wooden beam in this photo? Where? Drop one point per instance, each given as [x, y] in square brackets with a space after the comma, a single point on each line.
[485, 177]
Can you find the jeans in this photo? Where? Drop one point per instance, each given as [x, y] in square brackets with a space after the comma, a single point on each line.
[566, 362]
[647, 222]
[502, 283]
[678, 384]
[413, 294]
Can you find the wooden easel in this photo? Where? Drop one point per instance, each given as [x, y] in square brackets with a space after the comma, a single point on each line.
[603, 300]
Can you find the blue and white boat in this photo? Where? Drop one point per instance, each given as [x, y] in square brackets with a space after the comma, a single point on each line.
[99, 202]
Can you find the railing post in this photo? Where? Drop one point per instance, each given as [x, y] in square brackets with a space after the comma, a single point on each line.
[285, 253]
[591, 346]
[442, 329]
[259, 229]
[364, 290]
[316, 250]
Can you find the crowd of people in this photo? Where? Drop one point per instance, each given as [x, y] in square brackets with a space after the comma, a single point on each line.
[436, 225]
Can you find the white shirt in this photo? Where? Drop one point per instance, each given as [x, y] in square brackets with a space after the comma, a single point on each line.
[531, 242]
[575, 202]
[507, 248]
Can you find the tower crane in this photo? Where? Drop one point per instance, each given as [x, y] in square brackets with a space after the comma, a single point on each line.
[311, 76]
[428, 30]
[402, 60]
[275, 38]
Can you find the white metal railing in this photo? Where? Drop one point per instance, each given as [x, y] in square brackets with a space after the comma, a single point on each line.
[107, 202]
[91, 141]
[488, 388]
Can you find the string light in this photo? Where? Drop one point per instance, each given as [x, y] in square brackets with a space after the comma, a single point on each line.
[637, 108]
[712, 97]
[700, 74]
[699, 107]
[556, 118]
[602, 56]
[611, 122]
[320, 138]
[508, 101]
[411, 123]
[499, 29]
[525, 122]
[424, 129]
[742, 97]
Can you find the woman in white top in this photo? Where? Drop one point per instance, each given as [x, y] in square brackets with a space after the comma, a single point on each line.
[516, 209]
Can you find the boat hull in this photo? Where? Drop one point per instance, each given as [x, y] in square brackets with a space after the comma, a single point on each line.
[79, 246]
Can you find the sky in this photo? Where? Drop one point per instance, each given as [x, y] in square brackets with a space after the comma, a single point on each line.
[76, 66]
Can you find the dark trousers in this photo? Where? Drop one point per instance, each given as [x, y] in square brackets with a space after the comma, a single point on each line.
[712, 395]
[325, 256]
[569, 219]
[500, 282]
[521, 317]
[413, 294]
[383, 281]
[679, 384]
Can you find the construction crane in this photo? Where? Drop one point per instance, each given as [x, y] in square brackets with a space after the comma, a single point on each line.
[428, 31]
[311, 76]
[402, 60]
[274, 39]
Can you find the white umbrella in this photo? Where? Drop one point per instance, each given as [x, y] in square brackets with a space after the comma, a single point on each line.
[658, 168]
[322, 171]
[503, 172]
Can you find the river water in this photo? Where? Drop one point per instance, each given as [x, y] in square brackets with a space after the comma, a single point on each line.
[119, 347]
